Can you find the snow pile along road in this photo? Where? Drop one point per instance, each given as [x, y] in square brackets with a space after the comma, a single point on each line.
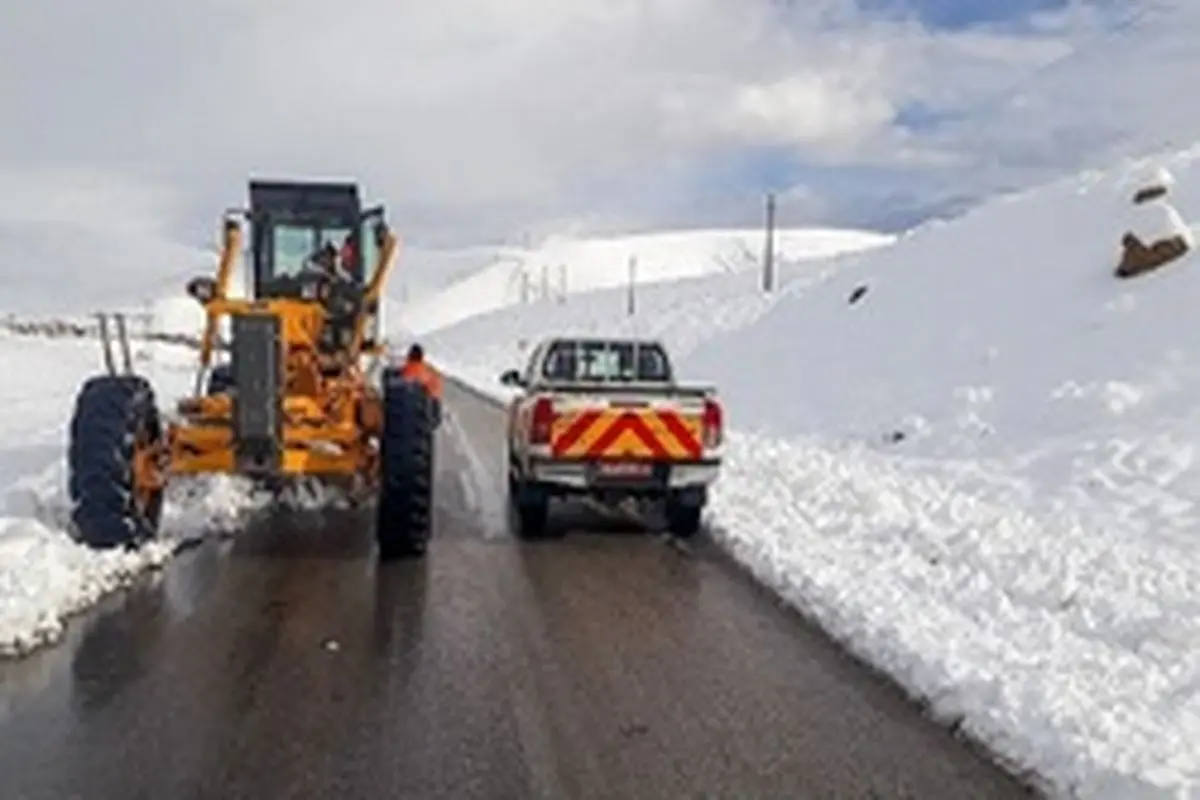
[970, 456]
[45, 576]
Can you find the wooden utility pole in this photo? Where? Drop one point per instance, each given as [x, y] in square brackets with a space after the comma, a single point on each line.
[768, 276]
[631, 302]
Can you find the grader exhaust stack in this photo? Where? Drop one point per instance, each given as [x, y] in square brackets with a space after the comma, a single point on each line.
[291, 401]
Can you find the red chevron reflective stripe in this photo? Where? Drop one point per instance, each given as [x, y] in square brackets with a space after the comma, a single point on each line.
[675, 425]
[575, 431]
[633, 423]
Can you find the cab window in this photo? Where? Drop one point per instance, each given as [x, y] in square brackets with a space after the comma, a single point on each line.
[368, 251]
[606, 362]
[333, 236]
[291, 246]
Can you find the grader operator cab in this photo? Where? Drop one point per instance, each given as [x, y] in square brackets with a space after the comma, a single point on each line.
[295, 398]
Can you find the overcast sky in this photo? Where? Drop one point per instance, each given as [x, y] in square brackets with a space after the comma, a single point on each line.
[479, 119]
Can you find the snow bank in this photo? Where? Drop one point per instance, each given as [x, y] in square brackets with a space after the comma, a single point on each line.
[512, 276]
[970, 457]
[45, 576]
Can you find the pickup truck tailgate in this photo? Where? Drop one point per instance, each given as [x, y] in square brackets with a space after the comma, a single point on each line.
[636, 431]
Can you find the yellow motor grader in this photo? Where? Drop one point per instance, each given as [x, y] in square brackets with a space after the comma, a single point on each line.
[293, 399]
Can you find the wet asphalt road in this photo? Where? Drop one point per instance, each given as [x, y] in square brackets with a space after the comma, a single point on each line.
[286, 664]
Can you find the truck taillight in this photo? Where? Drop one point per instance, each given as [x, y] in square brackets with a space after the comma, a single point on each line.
[541, 421]
[714, 423]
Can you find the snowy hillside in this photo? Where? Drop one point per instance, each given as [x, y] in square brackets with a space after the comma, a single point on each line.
[421, 272]
[510, 276]
[986, 337]
[980, 474]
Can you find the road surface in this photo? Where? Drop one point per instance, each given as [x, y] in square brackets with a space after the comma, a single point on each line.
[285, 664]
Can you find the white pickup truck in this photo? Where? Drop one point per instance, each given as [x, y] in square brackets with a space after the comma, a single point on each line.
[605, 419]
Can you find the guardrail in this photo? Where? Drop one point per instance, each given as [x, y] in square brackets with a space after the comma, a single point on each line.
[71, 329]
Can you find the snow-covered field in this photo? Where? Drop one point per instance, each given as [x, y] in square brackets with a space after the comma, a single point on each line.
[563, 266]
[980, 475]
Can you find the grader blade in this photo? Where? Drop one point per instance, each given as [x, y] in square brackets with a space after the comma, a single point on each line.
[257, 404]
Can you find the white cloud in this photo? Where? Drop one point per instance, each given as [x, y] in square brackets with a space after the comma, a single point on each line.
[475, 118]
[827, 111]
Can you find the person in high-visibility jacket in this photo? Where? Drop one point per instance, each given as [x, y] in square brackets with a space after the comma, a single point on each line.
[415, 368]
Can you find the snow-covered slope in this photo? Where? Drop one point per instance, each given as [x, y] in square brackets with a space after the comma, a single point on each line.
[980, 474]
[422, 272]
[511, 276]
[986, 336]
[685, 313]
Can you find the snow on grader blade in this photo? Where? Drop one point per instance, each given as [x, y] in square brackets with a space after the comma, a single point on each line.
[295, 398]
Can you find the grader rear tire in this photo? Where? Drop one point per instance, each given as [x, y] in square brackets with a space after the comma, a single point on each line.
[115, 416]
[405, 506]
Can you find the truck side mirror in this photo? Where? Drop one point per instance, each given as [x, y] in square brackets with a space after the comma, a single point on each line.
[511, 378]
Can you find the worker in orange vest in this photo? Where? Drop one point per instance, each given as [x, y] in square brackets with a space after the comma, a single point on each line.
[415, 368]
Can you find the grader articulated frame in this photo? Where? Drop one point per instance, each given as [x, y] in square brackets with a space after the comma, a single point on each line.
[295, 398]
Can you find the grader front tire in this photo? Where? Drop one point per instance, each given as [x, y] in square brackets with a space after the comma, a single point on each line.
[115, 421]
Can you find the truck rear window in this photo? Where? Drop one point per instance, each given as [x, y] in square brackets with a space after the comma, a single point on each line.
[601, 361]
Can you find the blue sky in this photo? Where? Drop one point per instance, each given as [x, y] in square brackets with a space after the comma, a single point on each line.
[963, 14]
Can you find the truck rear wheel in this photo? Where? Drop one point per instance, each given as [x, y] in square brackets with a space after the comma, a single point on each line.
[405, 508]
[115, 425]
[683, 512]
[530, 507]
